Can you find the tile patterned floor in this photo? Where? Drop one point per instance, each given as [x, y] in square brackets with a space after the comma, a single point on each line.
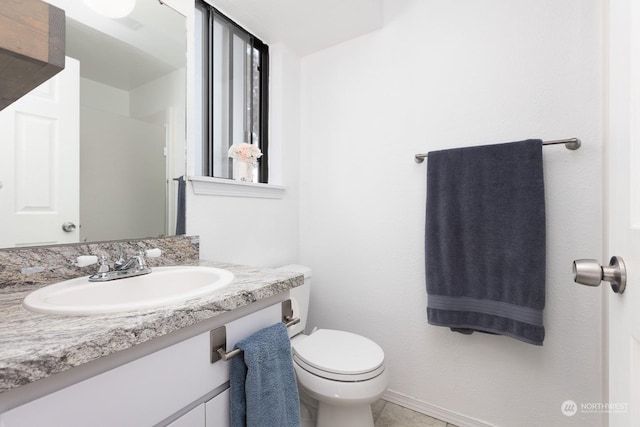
[387, 414]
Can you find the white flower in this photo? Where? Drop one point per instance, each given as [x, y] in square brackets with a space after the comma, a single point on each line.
[245, 152]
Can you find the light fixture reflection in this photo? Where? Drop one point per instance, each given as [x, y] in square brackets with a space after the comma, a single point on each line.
[112, 8]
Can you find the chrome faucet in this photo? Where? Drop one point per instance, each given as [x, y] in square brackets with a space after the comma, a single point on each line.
[134, 266]
[136, 262]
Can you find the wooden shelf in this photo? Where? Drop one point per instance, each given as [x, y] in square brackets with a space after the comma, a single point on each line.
[32, 46]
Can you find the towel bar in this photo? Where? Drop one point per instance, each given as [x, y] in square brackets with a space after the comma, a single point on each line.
[218, 336]
[570, 144]
[227, 355]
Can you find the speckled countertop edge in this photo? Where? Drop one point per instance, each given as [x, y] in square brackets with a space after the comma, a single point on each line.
[34, 346]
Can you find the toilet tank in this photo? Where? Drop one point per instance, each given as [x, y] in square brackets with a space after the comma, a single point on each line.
[301, 296]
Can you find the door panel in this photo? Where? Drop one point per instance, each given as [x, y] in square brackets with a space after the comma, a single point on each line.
[623, 207]
[39, 166]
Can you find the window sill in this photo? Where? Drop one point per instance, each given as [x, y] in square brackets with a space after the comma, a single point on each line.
[205, 185]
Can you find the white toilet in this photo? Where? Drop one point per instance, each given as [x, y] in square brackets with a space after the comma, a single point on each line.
[339, 374]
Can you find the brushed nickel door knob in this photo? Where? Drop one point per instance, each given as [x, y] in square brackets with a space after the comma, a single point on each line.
[69, 227]
[589, 272]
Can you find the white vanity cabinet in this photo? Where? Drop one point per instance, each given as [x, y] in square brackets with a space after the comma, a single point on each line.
[217, 411]
[176, 386]
[193, 418]
[213, 413]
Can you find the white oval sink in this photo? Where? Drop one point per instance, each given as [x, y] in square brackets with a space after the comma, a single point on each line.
[163, 286]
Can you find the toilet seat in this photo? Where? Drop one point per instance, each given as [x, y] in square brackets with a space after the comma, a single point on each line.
[339, 356]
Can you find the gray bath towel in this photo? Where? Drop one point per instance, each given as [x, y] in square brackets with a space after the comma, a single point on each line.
[485, 240]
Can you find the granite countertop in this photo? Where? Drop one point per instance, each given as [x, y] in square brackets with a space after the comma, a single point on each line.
[34, 346]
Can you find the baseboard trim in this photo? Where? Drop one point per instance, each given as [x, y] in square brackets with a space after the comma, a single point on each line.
[433, 410]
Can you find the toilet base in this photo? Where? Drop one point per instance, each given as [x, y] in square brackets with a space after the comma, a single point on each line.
[344, 416]
[308, 409]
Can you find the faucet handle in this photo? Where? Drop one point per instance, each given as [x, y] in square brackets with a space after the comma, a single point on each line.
[152, 253]
[120, 261]
[104, 264]
[84, 260]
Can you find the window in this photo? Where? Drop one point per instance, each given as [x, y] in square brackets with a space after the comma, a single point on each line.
[233, 76]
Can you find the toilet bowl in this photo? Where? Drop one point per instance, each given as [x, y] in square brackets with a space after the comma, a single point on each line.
[342, 373]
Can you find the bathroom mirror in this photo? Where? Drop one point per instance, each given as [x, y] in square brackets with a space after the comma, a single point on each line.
[112, 173]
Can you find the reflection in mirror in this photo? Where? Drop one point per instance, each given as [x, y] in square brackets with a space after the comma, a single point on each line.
[99, 147]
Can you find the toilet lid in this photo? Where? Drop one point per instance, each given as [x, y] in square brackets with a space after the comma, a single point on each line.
[339, 355]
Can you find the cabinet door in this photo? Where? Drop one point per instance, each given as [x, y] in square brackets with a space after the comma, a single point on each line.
[217, 411]
[193, 418]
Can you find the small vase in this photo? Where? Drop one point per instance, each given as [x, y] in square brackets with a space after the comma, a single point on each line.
[243, 171]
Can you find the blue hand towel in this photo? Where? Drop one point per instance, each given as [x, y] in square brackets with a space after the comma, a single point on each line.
[485, 240]
[264, 391]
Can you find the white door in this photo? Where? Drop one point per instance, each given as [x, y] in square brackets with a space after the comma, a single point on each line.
[39, 152]
[623, 207]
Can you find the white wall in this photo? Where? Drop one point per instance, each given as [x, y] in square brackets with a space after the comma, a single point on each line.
[122, 165]
[440, 75]
[104, 97]
[162, 102]
[122, 174]
[253, 231]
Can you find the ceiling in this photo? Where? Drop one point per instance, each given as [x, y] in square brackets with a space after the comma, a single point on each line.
[125, 53]
[306, 26]
[111, 61]
[144, 44]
